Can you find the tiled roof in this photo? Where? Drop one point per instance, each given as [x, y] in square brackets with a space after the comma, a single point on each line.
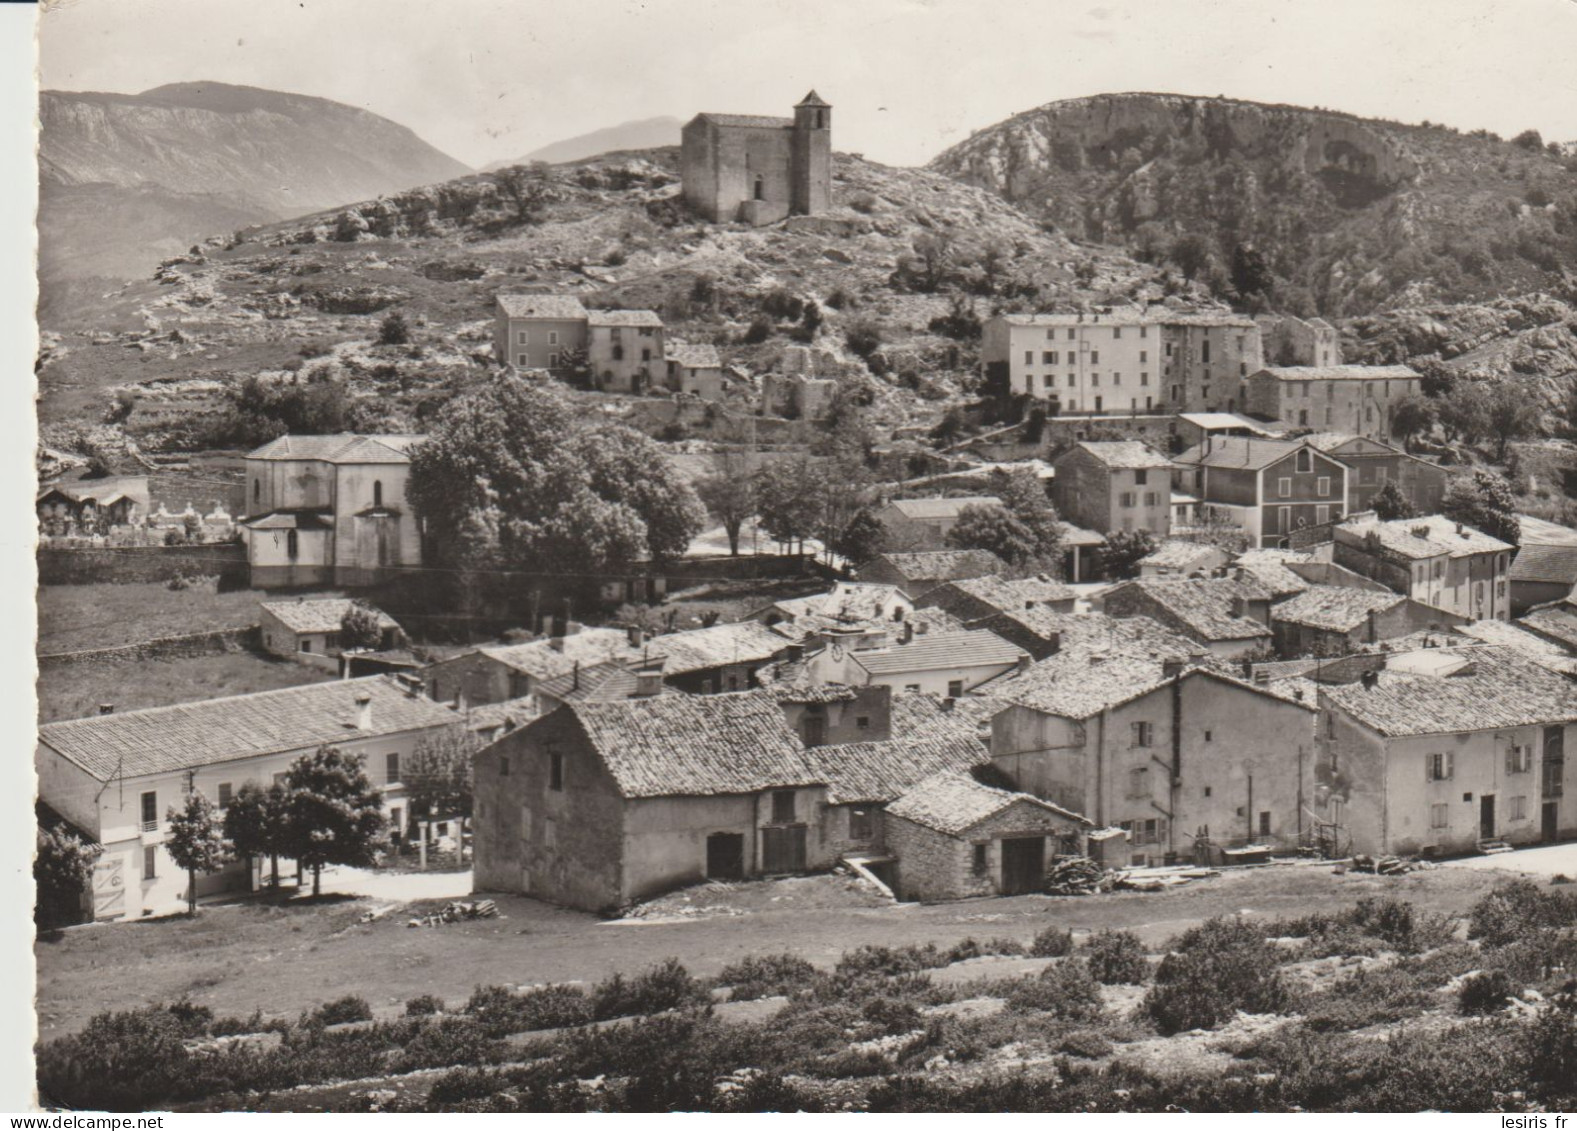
[799, 691]
[1175, 554]
[540, 660]
[952, 803]
[1214, 420]
[1204, 605]
[1426, 537]
[925, 739]
[696, 745]
[1117, 316]
[694, 356]
[1515, 636]
[846, 600]
[211, 731]
[1539, 532]
[1340, 372]
[1124, 453]
[754, 121]
[624, 318]
[1499, 688]
[1241, 452]
[1078, 536]
[321, 614]
[933, 652]
[510, 713]
[601, 683]
[558, 308]
[1545, 563]
[1269, 569]
[701, 648]
[1333, 607]
[942, 565]
[1007, 595]
[1328, 441]
[942, 508]
[1103, 661]
[291, 520]
[341, 448]
[1557, 621]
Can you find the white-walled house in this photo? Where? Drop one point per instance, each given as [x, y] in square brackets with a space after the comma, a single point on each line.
[116, 776]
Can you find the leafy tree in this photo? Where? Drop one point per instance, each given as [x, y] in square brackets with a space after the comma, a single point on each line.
[257, 823]
[437, 775]
[62, 870]
[528, 188]
[952, 425]
[863, 337]
[1530, 140]
[393, 331]
[335, 813]
[810, 322]
[1412, 416]
[931, 263]
[1485, 502]
[960, 323]
[730, 497]
[1251, 274]
[994, 527]
[360, 627]
[1464, 415]
[195, 841]
[786, 499]
[1023, 530]
[1124, 549]
[759, 330]
[1389, 503]
[1190, 253]
[508, 479]
[863, 537]
[1510, 416]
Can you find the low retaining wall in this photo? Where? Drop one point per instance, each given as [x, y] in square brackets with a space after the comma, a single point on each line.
[57, 566]
[212, 643]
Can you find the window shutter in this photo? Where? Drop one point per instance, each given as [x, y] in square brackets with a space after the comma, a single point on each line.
[1450, 758]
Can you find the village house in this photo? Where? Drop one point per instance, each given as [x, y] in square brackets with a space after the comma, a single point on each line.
[924, 524]
[92, 506]
[1358, 399]
[1374, 463]
[625, 351]
[1446, 749]
[330, 510]
[536, 331]
[1026, 612]
[846, 603]
[1112, 485]
[1191, 428]
[1155, 359]
[494, 673]
[308, 630]
[1435, 561]
[1181, 756]
[725, 657]
[955, 837]
[917, 573]
[115, 776]
[1555, 622]
[1286, 340]
[757, 169]
[1333, 620]
[1173, 558]
[1270, 489]
[1540, 575]
[696, 370]
[1228, 617]
[949, 664]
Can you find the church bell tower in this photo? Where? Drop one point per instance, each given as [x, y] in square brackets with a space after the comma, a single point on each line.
[811, 156]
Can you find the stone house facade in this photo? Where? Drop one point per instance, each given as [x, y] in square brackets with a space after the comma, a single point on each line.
[625, 351]
[1114, 485]
[1435, 561]
[1358, 399]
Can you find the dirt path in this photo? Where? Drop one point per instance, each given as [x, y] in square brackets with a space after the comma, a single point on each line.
[286, 959]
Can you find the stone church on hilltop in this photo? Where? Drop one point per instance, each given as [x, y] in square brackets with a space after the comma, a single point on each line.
[759, 169]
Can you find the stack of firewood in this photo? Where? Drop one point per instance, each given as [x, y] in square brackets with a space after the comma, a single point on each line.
[1077, 875]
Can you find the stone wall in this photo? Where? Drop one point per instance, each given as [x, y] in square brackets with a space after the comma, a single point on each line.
[212, 643]
[143, 563]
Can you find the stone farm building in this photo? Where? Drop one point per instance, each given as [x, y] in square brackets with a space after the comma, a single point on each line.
[1447, 748]
[115, 776]
[1110, 485]
[757, 169]
[308, 630]
[330, 510]
[923, 524]
[1357, 399]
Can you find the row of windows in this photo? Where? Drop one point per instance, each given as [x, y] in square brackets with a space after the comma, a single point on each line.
[1117, 333]
[1442, 766]
[1128, 498]
[1073, 380]
[1322, 487]
[524, 359]
[1440, 812]
[523, 337]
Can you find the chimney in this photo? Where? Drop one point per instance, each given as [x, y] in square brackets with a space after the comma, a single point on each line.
[637, 635]
[1023, 662]
[1171, 668]
[908, 632]
[106, 708]
[1055, 642]
[1239, 606]
[557, 641]
[1370, 680]
[795, 652]
[947, 705]
[575, 677]
[649, 679]
[1261, 679]
[1374, 626]
[364, 711]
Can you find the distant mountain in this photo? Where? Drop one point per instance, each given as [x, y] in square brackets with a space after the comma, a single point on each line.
[649, 133]
[129, 179]
[1350, 215]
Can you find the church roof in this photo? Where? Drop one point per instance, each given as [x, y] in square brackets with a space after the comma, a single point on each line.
[814, 99]
[756, 121]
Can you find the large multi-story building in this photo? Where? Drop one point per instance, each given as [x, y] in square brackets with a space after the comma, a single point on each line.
[624, 350]
[535, 331]
[1435, 561]
[330, 510]
[1124, 360]
[1271, 489]
[1114, 485]
[1287, 340]
[1333, 398]
[759, 169]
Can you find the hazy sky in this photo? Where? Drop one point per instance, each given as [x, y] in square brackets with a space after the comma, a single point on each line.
[485, 80]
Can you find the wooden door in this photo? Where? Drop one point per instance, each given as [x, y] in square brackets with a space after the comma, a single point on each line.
[1548, 821]
[1023, 864]
[783, 849]
[725, 856]
[1486, 816]
[109, 888]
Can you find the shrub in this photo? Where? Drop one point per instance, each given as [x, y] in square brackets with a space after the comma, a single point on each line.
[342, 1010]
[1116, 958]
[657, 989]
[891, 1015]
[393, 331]
[1214, 970]
[123, 1061]
[1064, 989]
[234, 1026]
[1485, 992]
[766, 976]
[424, 1005]
[890, 960]
[1372, 995]
[863, 338]
[195, 1020]
[969, 948]
[1519, 910]
[1085, 1043]
[760, 330]
[553, 1007]
[1052, 942]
